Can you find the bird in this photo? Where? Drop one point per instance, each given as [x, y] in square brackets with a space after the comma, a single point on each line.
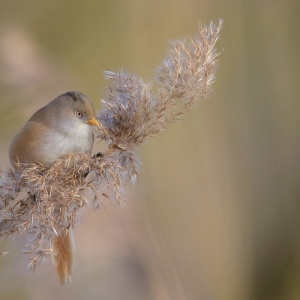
[63, 126]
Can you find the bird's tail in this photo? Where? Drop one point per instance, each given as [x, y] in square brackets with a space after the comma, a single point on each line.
[63, 248]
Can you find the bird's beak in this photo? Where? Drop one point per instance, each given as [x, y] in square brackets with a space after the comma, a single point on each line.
[93, 121]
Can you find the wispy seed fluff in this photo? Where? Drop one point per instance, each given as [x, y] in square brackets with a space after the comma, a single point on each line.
[131, 113]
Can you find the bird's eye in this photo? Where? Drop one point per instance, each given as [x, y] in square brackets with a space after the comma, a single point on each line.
[79, 114]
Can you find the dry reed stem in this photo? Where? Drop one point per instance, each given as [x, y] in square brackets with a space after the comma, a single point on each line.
[131, 113]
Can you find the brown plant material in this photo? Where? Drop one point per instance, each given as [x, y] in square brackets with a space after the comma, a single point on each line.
[131, 113]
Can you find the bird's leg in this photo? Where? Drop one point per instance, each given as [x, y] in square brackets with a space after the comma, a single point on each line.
[97, 155]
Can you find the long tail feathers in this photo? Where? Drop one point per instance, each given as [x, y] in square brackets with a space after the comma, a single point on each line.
[63, 248]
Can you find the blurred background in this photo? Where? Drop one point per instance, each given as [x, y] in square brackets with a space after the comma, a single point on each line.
[215, 213]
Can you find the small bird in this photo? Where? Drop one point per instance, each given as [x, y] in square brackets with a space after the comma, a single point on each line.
[62, 127]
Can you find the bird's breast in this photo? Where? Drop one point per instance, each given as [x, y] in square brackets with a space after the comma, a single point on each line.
[55, 144]
[38, 143]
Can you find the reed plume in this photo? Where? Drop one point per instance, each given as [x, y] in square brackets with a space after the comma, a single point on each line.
[131, 112]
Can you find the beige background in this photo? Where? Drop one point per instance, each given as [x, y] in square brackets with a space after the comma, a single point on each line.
[215, 214]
